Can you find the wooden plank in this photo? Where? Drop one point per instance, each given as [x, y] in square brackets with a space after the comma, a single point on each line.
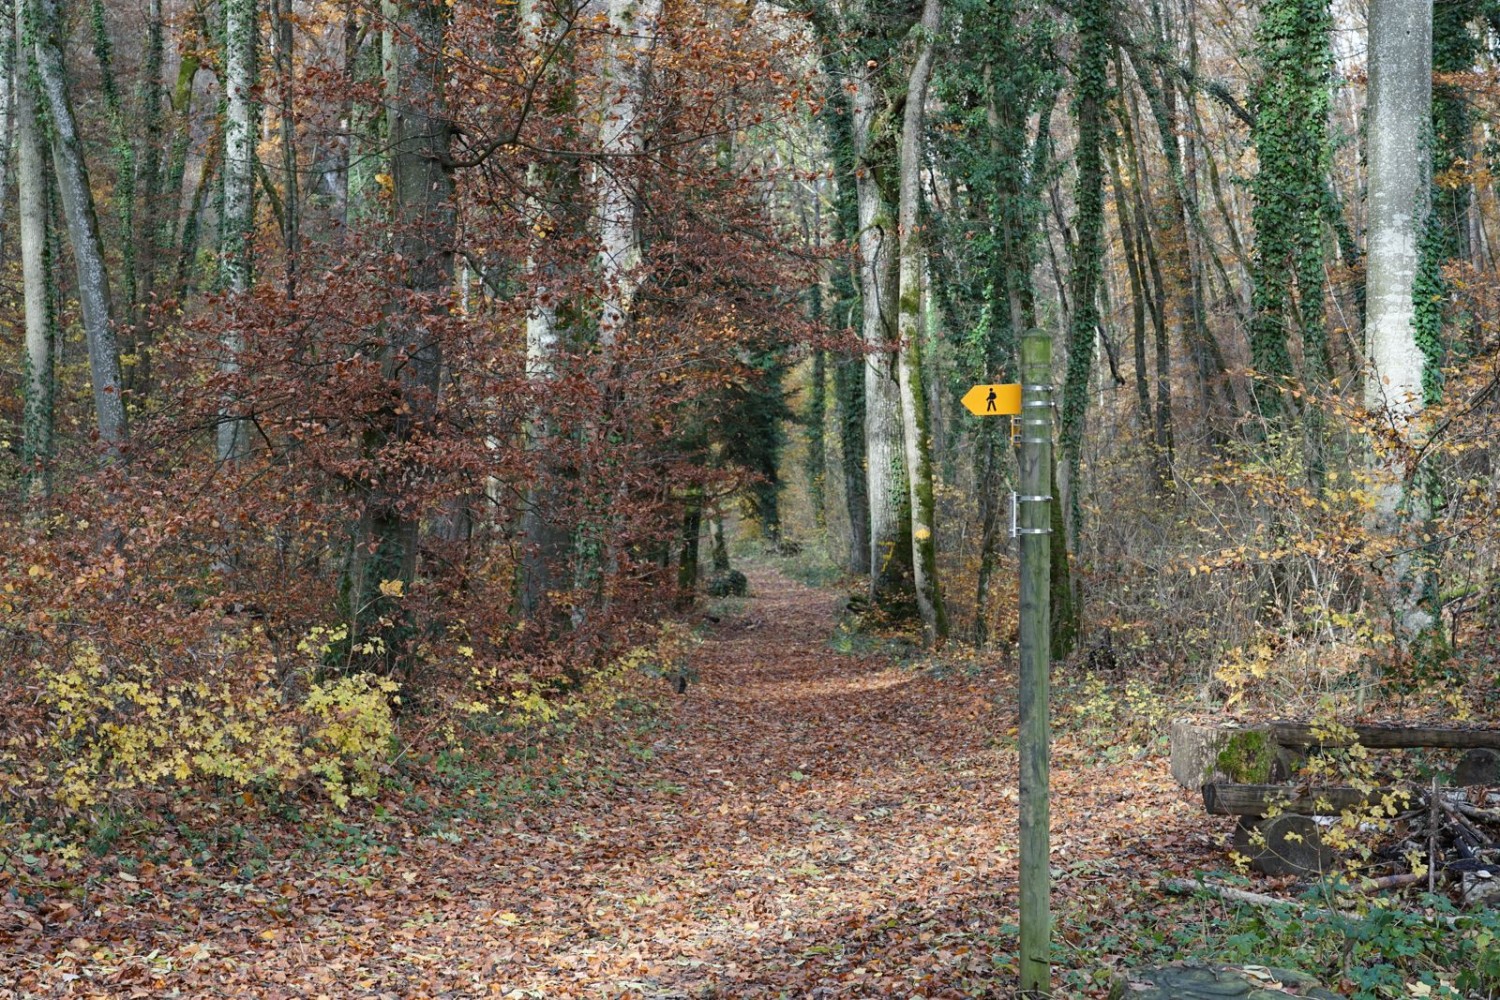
[1223, 799]
[1300, 735]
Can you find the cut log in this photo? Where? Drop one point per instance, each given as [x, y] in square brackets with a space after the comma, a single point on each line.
[1222, 799]
[1478, 767]
[1198, 748]
[1301, 735]
[1189, 981]
[1195, 749]
[1288, 844]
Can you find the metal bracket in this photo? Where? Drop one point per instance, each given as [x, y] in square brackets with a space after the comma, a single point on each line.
[1015, 514]
[1028, 498]
[1034, 531]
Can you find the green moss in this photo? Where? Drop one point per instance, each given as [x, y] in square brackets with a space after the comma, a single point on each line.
[1247, 758]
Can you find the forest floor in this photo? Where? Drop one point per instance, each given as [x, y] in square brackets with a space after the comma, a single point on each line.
[801, 823]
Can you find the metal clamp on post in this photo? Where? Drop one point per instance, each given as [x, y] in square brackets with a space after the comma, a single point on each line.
[1015, 514]
[1026, 498]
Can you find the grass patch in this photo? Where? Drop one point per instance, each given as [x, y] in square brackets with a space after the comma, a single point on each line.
[1405, 950]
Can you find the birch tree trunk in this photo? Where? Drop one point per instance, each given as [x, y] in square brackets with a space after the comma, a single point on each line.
[627, 61]
[237, 227]
[885, 472]
[36, 283]
[1400, 101]
[914, 418]
[83, 226]
[8, 90]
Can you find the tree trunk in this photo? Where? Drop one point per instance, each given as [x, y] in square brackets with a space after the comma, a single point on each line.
[141, 319]
[1088, 250]
[632, 25]
[385, 547]
[885, 473]
[848, 372]
[83, 228]
[9, 92]
[237, 223]
[36, 283]
[914, 422]
[817, 415]
[283, 24]
[849, 399]
[546, 539]
[1400, 47]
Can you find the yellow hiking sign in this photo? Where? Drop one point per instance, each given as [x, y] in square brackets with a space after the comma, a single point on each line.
[993, 400]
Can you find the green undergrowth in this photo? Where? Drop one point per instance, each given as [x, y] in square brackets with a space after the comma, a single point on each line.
[1118, 717]
[859, 634]
[1420, 948]
[812, 567]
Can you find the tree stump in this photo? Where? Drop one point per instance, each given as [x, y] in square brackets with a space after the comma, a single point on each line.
[1190, 981]
[1289, 844]
[1478, 767]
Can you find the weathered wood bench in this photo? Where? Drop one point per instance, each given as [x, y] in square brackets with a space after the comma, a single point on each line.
[1276, 825]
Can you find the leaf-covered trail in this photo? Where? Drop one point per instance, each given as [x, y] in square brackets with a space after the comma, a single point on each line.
[806, 824]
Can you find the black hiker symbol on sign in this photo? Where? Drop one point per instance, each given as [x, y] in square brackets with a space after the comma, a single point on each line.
[989, 401]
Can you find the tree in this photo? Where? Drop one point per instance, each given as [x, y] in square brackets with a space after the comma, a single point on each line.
[632, 26]
[1400, 47]
[45, 46]
[917, 439]
[1092, 85]
[237, 227]
[876, 140]
[36, 283]
[1291, 145]
[383, 562]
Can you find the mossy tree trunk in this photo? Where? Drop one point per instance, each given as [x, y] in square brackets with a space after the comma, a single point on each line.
[914, 415]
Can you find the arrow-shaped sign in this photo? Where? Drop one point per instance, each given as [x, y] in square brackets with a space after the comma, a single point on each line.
[993, 400]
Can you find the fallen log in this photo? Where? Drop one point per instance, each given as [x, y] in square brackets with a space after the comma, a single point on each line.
[1222, 799]
[1182, 886]
[1303, 736]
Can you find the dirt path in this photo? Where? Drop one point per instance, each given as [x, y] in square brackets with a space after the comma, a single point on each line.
[807, 824]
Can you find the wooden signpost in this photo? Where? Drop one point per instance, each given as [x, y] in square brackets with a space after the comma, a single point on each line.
[1033, 524]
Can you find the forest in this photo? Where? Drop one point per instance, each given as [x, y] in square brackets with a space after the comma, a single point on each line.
[492, 509]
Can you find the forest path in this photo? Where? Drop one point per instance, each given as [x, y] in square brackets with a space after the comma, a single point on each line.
[802, 823]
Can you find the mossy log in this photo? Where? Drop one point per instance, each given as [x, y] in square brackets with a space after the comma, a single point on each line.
[1205, 753]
